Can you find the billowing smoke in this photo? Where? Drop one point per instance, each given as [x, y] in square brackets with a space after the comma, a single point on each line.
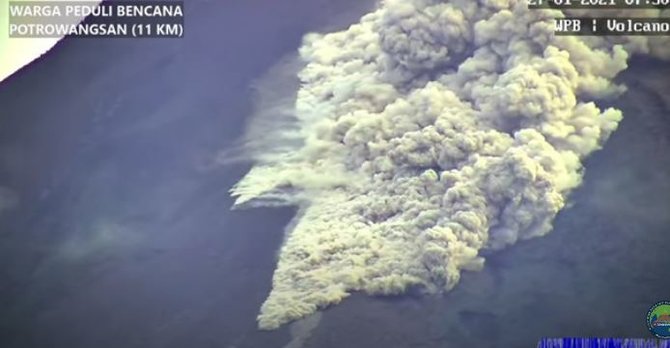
[420, 136]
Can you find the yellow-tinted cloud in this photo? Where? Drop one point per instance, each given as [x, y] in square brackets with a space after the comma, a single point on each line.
[429, 131]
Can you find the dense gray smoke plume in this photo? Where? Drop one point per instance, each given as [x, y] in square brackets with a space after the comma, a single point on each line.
[421, 135]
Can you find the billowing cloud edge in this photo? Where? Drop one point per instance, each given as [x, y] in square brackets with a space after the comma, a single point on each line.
[421, 135]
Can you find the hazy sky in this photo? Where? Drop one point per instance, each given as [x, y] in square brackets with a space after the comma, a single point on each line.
[16, 53]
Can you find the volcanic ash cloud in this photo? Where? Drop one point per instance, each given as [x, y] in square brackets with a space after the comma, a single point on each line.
[421, 135]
